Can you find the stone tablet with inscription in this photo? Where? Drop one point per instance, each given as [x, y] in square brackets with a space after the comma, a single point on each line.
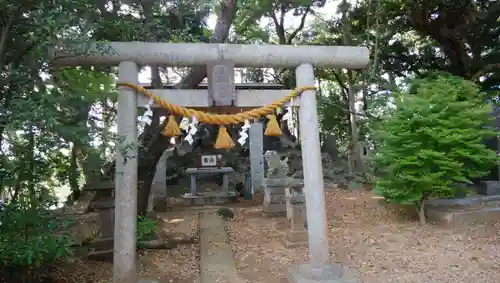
[220, 74]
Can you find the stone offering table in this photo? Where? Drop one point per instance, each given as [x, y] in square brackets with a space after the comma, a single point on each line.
[225, 196]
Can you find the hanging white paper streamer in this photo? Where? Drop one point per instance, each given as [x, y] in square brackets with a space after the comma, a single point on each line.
[191, 130]
[146, 117]
[184, 125]
[243, 133]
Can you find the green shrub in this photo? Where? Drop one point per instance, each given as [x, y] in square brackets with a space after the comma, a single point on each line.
[146, 229]
[31, 236]
[431, 139]
[225, 212]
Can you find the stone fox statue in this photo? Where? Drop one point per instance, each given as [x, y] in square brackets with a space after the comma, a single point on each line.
[275, 166]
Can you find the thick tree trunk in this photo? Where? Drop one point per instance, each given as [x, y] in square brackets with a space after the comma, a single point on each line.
[148, 158]
[354, 152]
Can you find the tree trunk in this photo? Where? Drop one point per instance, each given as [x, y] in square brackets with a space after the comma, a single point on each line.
[421, 213]
[73, 168]
[148, 158]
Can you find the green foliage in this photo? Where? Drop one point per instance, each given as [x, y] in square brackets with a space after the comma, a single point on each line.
[31, 236]
[431, 139]
[225, 212]
[333, 117]
[146, 229]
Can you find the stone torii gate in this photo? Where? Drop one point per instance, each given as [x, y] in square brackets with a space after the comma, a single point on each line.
[130, 55]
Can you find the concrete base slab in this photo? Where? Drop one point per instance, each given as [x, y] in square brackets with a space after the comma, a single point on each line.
[209, 198]
[331, 273]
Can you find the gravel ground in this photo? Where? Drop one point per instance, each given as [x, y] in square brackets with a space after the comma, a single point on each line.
[381, 245]
[179, 265]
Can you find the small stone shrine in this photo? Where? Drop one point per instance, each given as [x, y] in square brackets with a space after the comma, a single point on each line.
[275, 184]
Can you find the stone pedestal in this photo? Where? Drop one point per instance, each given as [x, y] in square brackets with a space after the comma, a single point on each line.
[101, 249]
[274, 196]
[296, 236]
[331, 273]
[295, 188]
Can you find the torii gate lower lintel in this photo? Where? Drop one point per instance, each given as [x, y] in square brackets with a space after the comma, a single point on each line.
[128, 56]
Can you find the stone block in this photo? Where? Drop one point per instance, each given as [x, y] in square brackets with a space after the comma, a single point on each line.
[277, 182]
[297, 236]
[489, 188]
[274, 209]
[274, 198]
[273, 195]
[331, 273]
[451, 219]
[220, 76]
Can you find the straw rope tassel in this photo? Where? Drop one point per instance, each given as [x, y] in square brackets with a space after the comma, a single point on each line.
[224, 140]
[171, 128]
[273, 128]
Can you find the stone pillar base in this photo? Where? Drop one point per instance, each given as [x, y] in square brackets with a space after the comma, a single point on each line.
[331, 273]
[294, 239]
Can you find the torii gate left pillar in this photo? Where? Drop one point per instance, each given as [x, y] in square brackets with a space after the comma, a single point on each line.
[128, 54]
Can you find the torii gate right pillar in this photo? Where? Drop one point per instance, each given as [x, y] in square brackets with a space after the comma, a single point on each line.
[319, 269]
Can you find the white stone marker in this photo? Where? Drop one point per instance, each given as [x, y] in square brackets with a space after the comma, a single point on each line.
[302, 57]
[256, 148]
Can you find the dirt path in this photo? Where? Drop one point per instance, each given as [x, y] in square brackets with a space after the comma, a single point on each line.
[379, 244]
[178, 265]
